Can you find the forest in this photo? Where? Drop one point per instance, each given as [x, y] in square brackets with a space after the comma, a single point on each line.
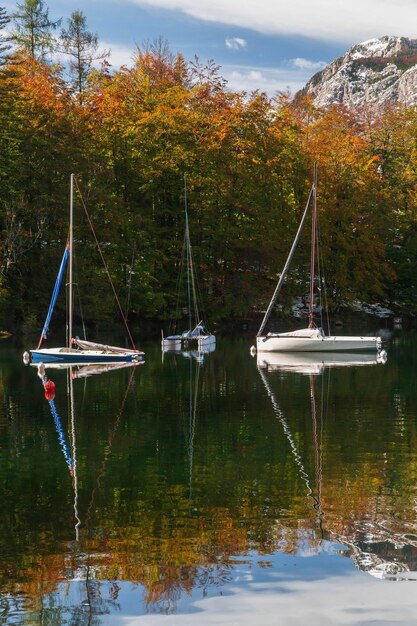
[131, 134]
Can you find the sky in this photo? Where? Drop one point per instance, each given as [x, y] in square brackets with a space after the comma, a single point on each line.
[271, 45]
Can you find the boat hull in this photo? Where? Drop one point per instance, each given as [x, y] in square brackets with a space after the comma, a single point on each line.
[171, 343]
[206, 340]
[59, 355]
[179, 342]
[284, 343]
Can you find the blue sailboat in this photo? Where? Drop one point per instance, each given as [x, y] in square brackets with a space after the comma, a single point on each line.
[76, 351]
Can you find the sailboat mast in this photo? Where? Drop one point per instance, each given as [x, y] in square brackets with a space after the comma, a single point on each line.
[187, 249]
[70, 280]
[313, 249]
[286, 267]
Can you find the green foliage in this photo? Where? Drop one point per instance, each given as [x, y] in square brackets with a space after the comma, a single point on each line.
[248, 159]
[82, 48]
[4, 38]
[33, 30]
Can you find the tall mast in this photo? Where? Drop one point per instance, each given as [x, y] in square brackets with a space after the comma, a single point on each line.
[187, 249]
[286, 267]
[70, 296]
[313, 248]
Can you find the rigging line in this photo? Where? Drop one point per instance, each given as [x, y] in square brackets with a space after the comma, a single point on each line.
[99, 477]
[188, 251]
[317, 464]
[190, 264]
[109, 447]
[67, 340]
[193, 418]
[105, 264]
[129, 282]
[323, 277]
[180, 284]
[77, 288]
[286, 266]
[319, 274]
[280, 415]
[200, 302]
[202, 307]
[70, 392]
[174, 320]
[322, 422]
[190, 436]
[195, 304]
[313, 249]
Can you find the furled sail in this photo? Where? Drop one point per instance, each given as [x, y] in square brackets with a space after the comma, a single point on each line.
[54, 295]
[91, 345]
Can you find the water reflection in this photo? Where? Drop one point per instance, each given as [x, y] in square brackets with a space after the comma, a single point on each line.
[192, 476]
[372, 545]
[316, 362]
[198, 355]
[84, 370]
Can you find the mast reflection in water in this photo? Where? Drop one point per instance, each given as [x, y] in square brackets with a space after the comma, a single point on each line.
[160, 489]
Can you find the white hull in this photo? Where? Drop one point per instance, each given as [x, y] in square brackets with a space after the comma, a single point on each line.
[82, 357]
[315, 363]
[171, 343]
[314, 341]
[206, 340]
[177, 342]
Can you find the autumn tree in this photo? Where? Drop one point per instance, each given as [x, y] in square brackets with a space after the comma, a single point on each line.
[82, 48]
[393, 141]
[33, 165]
[33, 29]
[352, 218]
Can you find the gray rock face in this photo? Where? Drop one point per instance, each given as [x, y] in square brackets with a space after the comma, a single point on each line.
[378, 71]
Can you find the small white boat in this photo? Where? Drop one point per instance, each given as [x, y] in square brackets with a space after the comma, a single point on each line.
[197, 335]
[76, 351]
[173, 342]
[311, 339]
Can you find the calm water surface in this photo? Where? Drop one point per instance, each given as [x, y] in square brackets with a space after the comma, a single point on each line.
[232, 491]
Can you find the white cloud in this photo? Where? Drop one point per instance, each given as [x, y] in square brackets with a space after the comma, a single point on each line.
[305, 64]
[330, 20]
[246, 78]
[235, 43]
[119, 55]
[290, 76]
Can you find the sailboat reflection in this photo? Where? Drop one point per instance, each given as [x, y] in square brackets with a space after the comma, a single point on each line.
[80, 557]
[82, 371]
[70, 452]
[194, 383]
[197, 355]
[315, 362]
[371, 543]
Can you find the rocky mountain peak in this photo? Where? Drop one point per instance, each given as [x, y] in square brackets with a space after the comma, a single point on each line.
[377, 71]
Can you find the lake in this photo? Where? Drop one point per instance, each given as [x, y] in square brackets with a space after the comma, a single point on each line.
[227, 491]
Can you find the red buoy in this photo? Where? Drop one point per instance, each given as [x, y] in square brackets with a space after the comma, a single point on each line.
[49, 390]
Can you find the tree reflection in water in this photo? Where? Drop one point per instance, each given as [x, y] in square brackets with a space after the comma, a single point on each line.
[182, 476]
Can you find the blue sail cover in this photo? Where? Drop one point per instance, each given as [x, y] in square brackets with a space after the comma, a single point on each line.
[54, 294]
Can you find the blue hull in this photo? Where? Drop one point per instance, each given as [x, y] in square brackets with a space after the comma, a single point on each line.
[37, 357]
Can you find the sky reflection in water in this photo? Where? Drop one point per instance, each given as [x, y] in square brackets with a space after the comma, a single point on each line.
[221, 491]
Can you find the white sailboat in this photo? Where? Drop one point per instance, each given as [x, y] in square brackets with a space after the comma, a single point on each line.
[312, 338]
[197, 334]
[76, 351]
